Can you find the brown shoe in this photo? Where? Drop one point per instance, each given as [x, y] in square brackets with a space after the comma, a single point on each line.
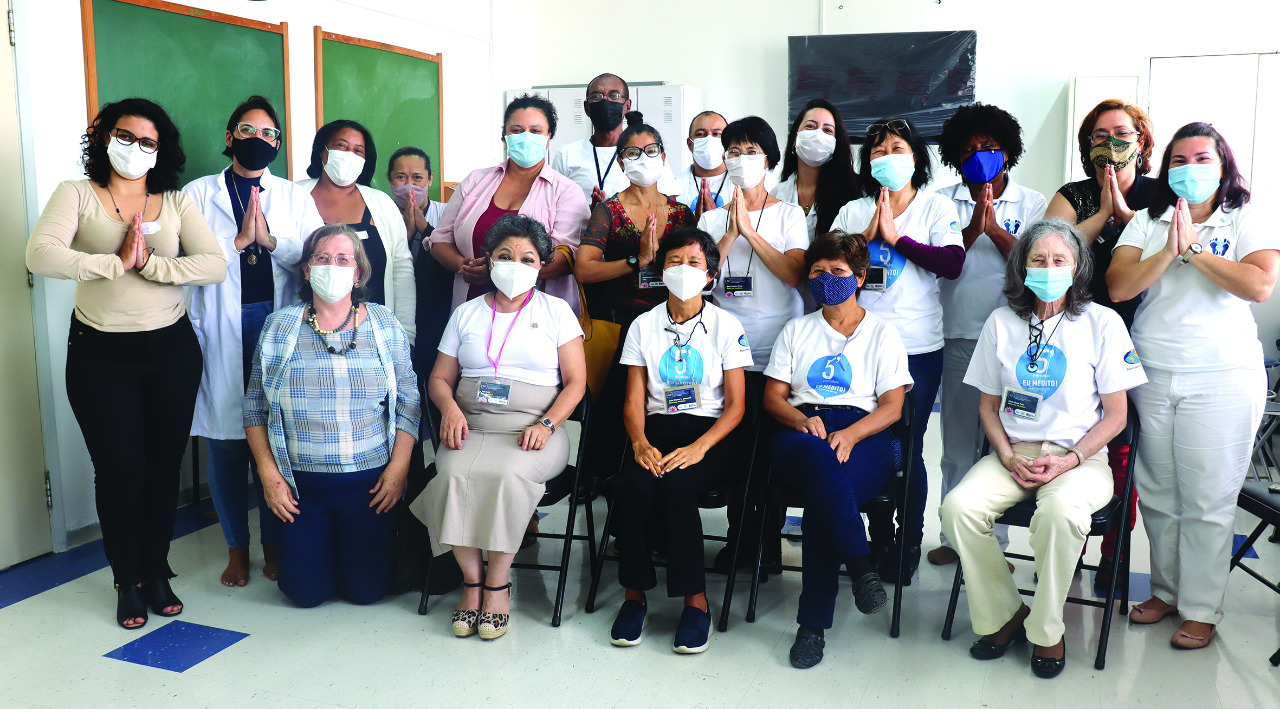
[1152, 610]
[1193, 635]
[942, 556]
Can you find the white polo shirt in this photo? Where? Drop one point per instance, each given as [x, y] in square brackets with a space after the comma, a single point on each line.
[690, 184]
[580, 160]
[825, 367]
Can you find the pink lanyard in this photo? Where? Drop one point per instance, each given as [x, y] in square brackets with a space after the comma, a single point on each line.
[493, 318]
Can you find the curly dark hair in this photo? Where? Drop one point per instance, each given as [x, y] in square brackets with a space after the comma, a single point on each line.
[321, 143]
[980, 119]
[1233, 191]
[1021, 298]
[254, 102]
[838, 184]
[1141, 123]
[536, 102]
[924, 163]
[170, 158]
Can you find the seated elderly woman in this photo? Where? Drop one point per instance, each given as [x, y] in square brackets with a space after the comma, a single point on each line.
[331, 413]
[1052, 368]
[511, 370]
[685, 396]
[836, 382]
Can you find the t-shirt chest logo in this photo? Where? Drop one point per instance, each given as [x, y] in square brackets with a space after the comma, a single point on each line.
[1219, 246]
[1043, 376]
[886, 257]
[680, 365]
[1013, 226]
[830, 376]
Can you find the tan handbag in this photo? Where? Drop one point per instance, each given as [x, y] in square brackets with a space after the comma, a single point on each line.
[600, 339]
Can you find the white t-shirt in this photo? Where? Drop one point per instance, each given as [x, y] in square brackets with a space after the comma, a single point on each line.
[708, 347]
[1186, 323]
[690, 184]
[433, 212]
[787, 192]
[969, 299]
[531, 352]
[579, 160]
[1079, 360]
[774, 302]
[825, 367]
[910, 300]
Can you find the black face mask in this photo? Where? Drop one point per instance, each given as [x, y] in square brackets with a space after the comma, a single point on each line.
[253, 153]
[605, 114]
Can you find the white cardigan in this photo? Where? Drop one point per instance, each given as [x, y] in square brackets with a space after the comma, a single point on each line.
[397, 280]
[215, 309]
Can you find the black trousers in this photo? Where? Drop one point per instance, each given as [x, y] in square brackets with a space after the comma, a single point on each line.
[133, 394]
[677, 493]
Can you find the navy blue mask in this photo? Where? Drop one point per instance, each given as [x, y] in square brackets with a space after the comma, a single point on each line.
[830, 289]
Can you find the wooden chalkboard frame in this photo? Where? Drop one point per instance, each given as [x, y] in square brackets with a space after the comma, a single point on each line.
[91, 56]
[320, 36]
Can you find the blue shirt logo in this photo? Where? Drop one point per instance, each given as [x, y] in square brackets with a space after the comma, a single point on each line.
[1131, 357]
[742, 340]
[1219, 246]
[885, 256]
[680, 366]
[1045, 375]
[830, 376]
[1013, 226]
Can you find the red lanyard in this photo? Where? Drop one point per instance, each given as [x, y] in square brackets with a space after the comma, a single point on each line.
[493, 318]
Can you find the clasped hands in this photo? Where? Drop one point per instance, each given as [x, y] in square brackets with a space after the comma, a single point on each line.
[842, 441]
[1030, 474]
[655, 462]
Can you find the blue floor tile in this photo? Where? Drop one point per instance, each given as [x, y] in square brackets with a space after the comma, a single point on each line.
[177, 646]
[1239, 542]
[1139, 587]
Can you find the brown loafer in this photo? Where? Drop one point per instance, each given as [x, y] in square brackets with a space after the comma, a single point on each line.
[1143, 614]
[1192, 635]
[942, 556]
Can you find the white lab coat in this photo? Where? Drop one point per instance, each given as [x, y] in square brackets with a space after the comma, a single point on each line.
[215, 309]
[398, 282]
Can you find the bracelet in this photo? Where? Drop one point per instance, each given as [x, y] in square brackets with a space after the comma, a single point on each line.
[1079, 455]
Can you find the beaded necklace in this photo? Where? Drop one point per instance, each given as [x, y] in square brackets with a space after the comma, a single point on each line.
[355, 329]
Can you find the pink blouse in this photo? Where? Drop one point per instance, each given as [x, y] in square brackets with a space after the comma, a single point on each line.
[554, 200]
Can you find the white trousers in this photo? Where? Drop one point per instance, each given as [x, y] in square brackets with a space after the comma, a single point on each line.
[1064, 511]
[1197, 436]
[962, 433]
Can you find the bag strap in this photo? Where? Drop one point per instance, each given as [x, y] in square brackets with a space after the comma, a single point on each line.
[584, 320]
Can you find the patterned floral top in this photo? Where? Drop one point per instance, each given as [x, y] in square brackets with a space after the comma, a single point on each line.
[613, 232]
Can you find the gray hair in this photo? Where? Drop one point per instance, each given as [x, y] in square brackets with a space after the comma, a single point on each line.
[1021, 299]
[359, 291]
[519, 226]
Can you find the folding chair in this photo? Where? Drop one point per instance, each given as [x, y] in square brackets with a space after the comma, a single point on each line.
[778, 495]
[1257, 501]
[1117, 511]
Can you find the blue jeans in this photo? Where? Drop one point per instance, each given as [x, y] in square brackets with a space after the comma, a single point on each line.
[833, 493]
[252, 317]
[230, 467]
[336, 542]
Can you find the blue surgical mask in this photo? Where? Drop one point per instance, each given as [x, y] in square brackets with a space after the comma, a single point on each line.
[894, 171]
[983, 166]
[830, 289]
[1049, 284]
[1195, 183]
[526, 149]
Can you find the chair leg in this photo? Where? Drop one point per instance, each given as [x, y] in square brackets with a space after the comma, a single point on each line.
[1275, 659]
[591, 534]
[426, 582]
[564, 561]
[1248, 544]
[1104, 634]
[598, 566]
[755, 574]
[736, 543]
[895, 624]
[955, 600]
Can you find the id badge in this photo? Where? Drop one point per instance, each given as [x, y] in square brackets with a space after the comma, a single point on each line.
[875, 279]
[651, 278]
[1023, 404]
[149, 228]
[493, 392]
[682, 398]
[737, 286]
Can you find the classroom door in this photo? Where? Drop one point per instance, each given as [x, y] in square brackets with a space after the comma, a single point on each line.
[24, 516]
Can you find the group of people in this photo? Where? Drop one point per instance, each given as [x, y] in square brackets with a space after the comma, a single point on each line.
[329, 295]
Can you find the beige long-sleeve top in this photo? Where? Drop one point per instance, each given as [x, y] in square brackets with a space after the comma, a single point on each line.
[76, 239]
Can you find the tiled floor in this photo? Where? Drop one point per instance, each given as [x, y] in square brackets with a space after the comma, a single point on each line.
[56, 644]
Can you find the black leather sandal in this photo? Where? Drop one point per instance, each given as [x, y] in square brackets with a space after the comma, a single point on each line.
[159, 595]
[129, 605]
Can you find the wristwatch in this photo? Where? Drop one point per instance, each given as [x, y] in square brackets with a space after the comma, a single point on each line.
[547, 422]
[634, 263]
[1192, 250]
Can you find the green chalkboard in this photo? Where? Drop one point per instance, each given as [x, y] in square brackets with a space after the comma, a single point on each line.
[198, 65]
[396, 95]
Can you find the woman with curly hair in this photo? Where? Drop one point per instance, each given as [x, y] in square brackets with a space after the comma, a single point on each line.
[133, 361]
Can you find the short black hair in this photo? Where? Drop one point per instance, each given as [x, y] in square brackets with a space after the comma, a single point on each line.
[753, 129]
[532, 101]
[409, 151]
[626, 88]
[170, 158]
[690, 235]
[924, 163]
[321, 142]
[839, 246]
[700, 115]
[1233, 191]
[253, 103]
[980, 119]
[520, 226]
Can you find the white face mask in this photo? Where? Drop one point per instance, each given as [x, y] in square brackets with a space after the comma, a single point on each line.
[684, 281]
[815, 147]
[129, 160]
[513, 278]
[708, 152]
[343, 167]
[644, 170]
[746, 171]
[332, 283]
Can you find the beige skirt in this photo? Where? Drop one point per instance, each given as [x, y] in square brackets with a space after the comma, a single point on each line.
[484, 494]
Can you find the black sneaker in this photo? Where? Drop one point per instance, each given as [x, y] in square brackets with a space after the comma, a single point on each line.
[806, 651]
[869, 595]
[694, 632]
[629, 624]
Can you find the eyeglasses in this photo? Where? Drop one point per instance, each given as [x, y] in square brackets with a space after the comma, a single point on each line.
[615, 96]
[738, 152]
[326, 259]
[653, 150]
[248, 130]
[124, 137]
[897, 125]
[1124, 134]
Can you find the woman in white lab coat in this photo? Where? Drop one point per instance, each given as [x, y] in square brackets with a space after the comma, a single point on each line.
[260, 222]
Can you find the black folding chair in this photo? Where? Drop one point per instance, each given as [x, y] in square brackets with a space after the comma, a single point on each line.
[1257, 501]
[558, 488]
[1117, 511]
[779, 496]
